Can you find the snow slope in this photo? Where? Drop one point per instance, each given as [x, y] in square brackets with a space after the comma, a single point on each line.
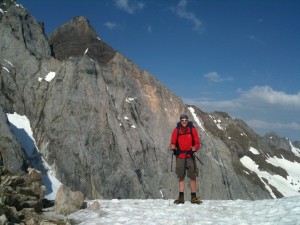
[238, 212]
[289, 186]
[21, 128]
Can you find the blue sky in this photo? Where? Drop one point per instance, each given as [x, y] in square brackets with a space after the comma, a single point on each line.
[237, 56]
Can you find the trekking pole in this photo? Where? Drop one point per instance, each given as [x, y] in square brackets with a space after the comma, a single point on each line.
[170, 177]
[198, 159]
[172, 162]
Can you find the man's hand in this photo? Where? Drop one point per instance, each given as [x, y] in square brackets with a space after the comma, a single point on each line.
[193, 148]
[173, 147]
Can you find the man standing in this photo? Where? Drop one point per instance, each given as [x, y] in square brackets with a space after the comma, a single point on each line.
[184, 143]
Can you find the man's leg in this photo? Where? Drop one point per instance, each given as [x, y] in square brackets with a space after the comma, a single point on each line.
[193, 185]
[180, 199]
[193, 182]
[180, 171]
[181, 184]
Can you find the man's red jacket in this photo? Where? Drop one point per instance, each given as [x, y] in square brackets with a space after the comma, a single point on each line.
[185, 140]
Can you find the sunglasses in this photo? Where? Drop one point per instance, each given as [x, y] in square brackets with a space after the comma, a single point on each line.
[184, 120]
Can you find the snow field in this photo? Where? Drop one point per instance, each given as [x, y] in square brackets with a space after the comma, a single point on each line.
[233, 212]
[22, 129]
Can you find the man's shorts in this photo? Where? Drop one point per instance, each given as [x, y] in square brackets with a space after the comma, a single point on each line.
[190, 169]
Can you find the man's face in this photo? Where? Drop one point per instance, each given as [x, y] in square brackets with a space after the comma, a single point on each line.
[184, 122]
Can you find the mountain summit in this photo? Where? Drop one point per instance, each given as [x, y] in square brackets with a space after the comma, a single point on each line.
[104, 125]
[76, 37]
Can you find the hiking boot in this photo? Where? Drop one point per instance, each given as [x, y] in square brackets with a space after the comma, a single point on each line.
[196, 200]
[179, 200]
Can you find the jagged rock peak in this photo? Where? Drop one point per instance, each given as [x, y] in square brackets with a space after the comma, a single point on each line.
[76, 38]
[275, 140]
[77, 25]
[5, 4]
[21, 30]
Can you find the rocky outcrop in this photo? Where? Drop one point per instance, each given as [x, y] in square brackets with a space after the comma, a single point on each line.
[67, 201]
[20, 25]
[21, 199]
[104, 124]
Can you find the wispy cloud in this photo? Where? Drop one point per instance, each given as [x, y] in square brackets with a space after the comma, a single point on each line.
[129, 6]
[215, 77]
[260, 20]
[262, 108]
[181, 11]
[111, 25]
[149, 29]
[255, 39]
[290, 130]
[260, 124]
[255, 99]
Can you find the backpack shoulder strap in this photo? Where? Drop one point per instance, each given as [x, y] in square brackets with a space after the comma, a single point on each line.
[178, 132]
[190, 124]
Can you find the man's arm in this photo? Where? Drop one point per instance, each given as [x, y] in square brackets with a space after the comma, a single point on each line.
[173, 140]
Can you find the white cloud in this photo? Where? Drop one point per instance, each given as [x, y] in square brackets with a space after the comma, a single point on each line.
[262, 108]
[267, 95]
[256, 98]
[181, 11]
[215, 77]
[129, 7]
[149, 29]
[111, 25]
[209, 105]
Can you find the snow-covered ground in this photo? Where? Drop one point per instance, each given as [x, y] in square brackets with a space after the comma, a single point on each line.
[236, 212]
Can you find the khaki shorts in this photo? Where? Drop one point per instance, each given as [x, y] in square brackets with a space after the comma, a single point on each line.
[191, 171]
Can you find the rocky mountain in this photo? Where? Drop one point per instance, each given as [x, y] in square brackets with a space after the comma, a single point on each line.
[104, 125]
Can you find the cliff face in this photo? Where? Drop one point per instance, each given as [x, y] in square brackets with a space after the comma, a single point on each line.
[103, 123]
